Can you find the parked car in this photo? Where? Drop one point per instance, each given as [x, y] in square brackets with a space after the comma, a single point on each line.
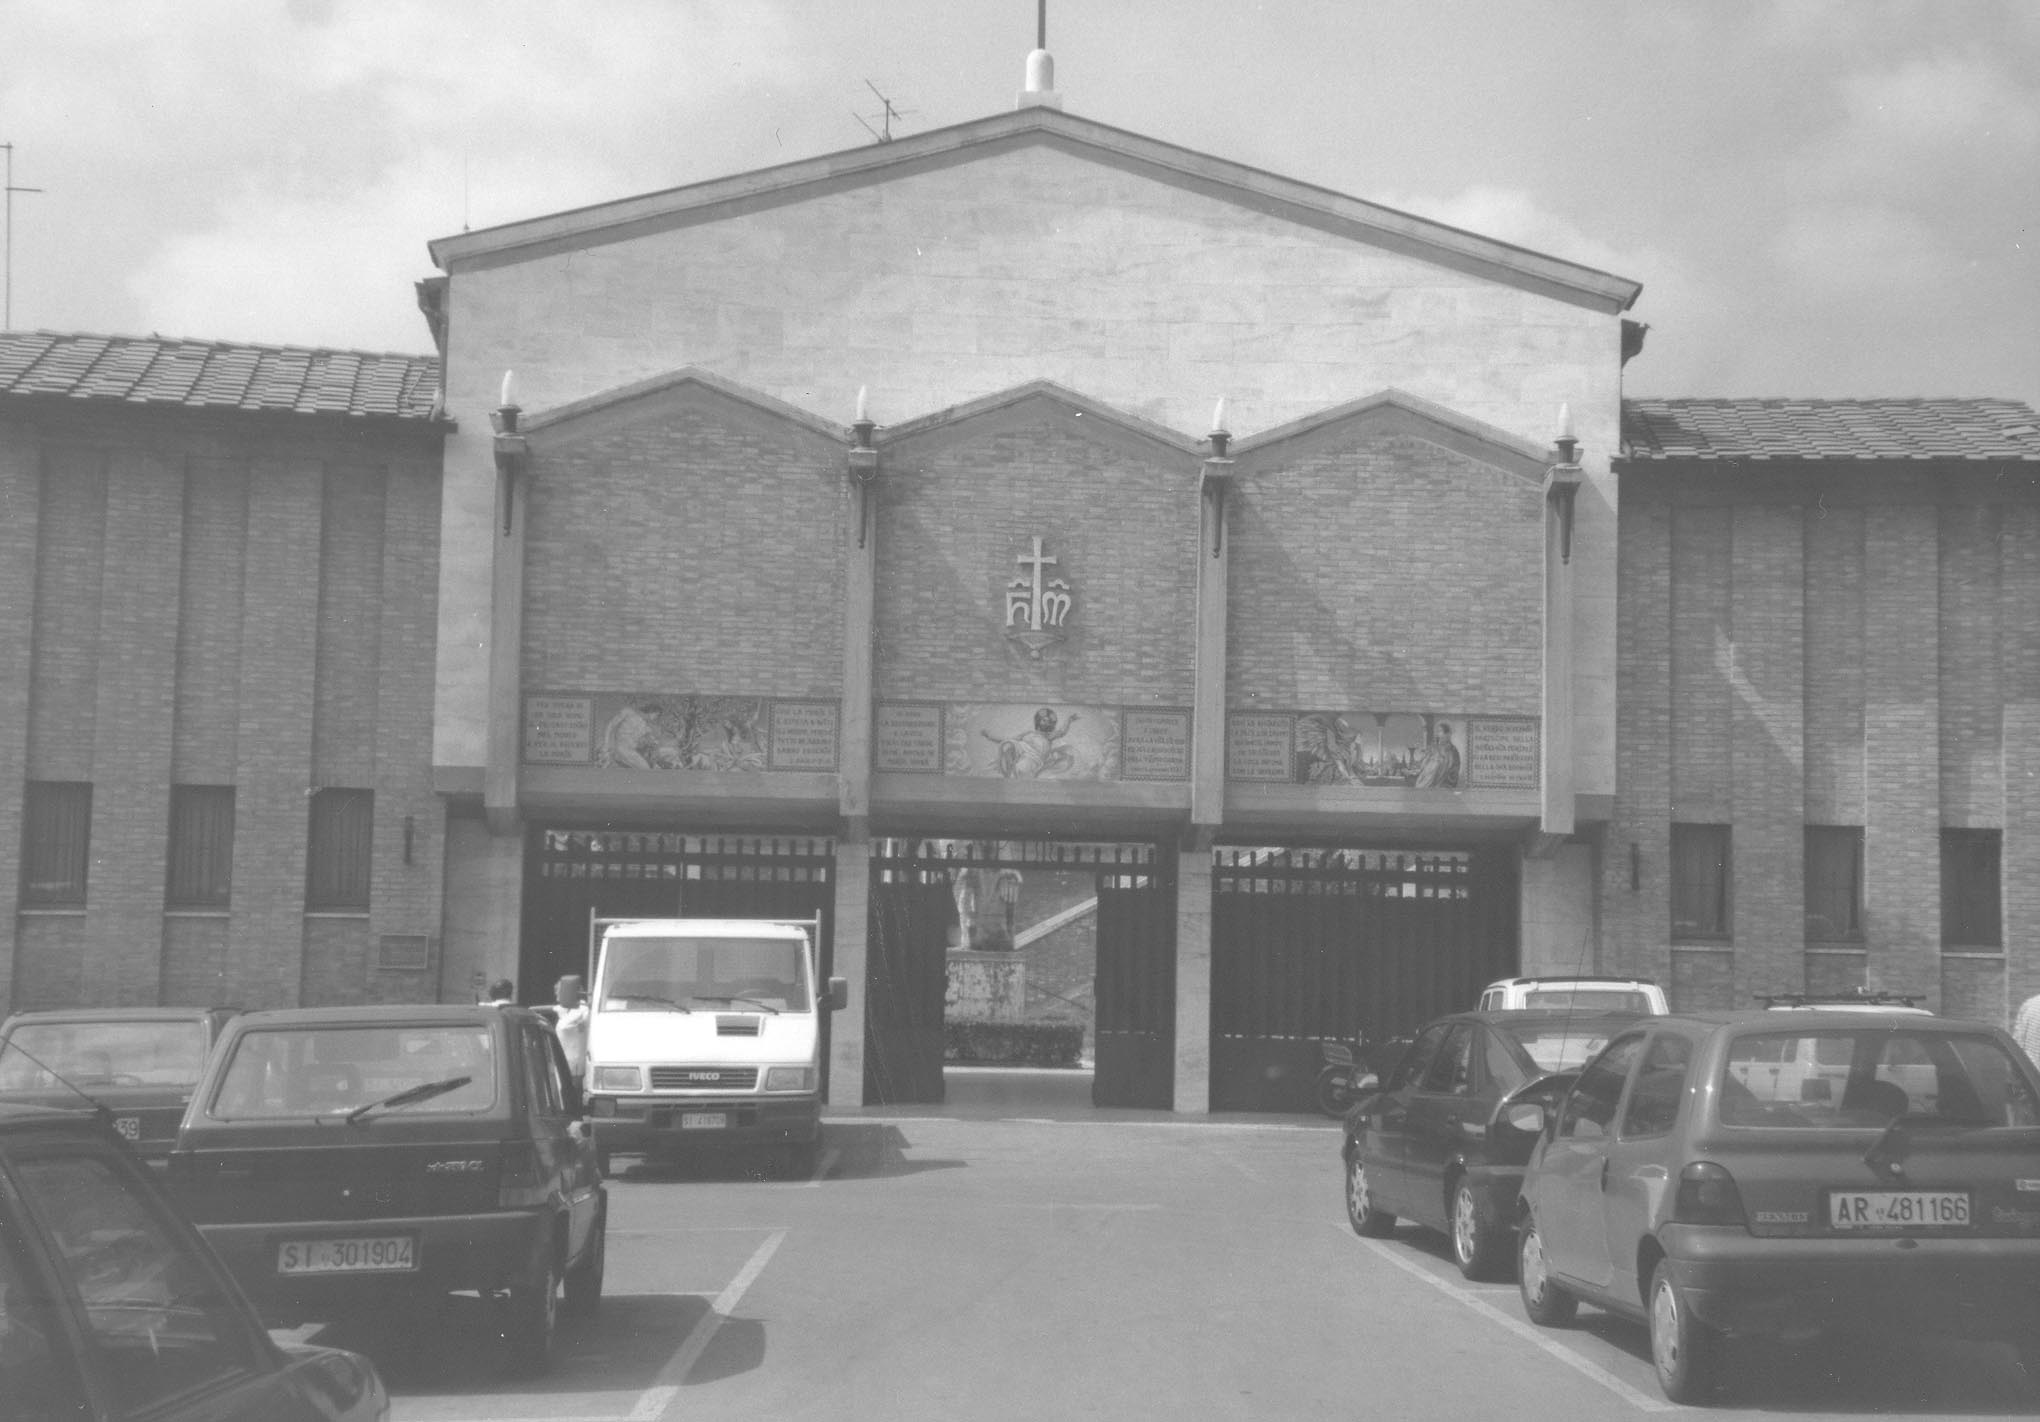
[1579, 994]
[1430, 1146]
[137, 1064]
[111, 1306]
[1688, 1182]
[365, 1160]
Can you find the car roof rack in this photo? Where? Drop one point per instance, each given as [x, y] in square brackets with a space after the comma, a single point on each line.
[1874, 997]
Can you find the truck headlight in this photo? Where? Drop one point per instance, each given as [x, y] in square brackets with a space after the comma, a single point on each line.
[618, 1078]
[790, 1078]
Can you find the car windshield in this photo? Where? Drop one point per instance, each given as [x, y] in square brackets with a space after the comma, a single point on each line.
[659, 974]
[333, 1071]
[1556, 1046]
[1839, 1078]
[89, 1054]
[1600, 999]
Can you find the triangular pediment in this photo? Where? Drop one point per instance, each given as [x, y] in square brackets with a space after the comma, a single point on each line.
[1394, 412]
[1036, 402]
[654, 398]
[983, 139]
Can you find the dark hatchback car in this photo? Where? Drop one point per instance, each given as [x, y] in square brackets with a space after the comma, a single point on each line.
[1429, 1145]
[359, 1162]
[138, 1064]
[111, 1306]
[1787, 1174]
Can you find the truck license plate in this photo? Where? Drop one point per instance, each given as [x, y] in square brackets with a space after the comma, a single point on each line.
[383, 1254]
[704, 1120]
[1898, 1209]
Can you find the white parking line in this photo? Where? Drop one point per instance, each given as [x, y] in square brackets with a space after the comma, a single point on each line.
[1643, 1402]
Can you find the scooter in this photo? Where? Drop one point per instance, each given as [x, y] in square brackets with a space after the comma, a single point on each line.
[1343, 1079]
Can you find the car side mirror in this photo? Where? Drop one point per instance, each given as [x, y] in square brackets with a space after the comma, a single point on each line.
[1525, 1116]
[839, 994]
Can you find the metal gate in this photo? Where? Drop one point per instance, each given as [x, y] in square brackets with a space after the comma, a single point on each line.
[1309, 944]
[573, 875]
[914, 916]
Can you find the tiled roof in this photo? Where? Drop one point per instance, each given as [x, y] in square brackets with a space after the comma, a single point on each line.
[151, 370]
[1829, 429]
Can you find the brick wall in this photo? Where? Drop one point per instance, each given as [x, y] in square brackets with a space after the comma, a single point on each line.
[1118, 513]
[1384, 571]
[251, 607]
[687, 544]
[1854, 651]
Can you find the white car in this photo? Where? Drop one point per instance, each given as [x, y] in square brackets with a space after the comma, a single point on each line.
[1584, 994]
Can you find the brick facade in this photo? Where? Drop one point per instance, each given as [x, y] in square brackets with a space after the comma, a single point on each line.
[247, 605]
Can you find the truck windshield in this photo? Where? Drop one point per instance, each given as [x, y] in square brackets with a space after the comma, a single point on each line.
[658, 974]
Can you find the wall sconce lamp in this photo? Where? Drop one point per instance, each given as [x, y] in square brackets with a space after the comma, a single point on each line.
[863, 464]
[1562, 481]
[513, 451]
[1218, 474]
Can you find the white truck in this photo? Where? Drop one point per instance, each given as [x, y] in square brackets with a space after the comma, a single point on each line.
[705, 1034]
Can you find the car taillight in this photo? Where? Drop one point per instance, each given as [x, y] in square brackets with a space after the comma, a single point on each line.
[1707, 1195]
[522, 1183]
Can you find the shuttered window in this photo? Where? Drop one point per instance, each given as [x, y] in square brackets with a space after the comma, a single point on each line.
[201, 846]
[1834, 884]
[1700, 881]
[337, 861]
[56, 843]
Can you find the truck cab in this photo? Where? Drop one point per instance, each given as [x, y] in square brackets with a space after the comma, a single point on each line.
[705, 1036]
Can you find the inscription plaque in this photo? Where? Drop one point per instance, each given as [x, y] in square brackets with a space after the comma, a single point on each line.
[1260, 747]
[803, 736]
[907, 738]
[1502, 752]
[1154, 745]
[559, 730]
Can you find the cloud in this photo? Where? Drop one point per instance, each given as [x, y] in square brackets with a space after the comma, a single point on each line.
[1941, 101]
[1861, 251]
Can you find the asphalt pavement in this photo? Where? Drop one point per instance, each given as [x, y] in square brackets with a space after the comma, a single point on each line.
[1013, 1253]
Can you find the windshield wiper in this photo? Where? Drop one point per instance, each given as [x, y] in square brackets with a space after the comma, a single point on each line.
[762, 1006]
[411, 1096]
[1893, 1146]
[637, 997]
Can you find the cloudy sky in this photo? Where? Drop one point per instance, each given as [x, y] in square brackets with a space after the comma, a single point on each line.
[1820, 197]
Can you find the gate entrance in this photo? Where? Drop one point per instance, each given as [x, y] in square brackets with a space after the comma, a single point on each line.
[931, 895]
[574, 875]
[1309, 944]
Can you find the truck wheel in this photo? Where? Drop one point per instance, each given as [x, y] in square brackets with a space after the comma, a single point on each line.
[584, 1280]
[533, 1317]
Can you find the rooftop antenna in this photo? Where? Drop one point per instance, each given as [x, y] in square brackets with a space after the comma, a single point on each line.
[7, 303]
[882, 134]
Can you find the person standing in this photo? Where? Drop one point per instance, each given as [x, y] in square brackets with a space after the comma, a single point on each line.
[572, 1025]
[2026, 1027]
[502, 993]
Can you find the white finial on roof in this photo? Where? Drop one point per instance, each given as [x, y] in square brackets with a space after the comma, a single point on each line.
[1039, 91]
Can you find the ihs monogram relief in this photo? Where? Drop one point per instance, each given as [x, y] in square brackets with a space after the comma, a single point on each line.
[1036, 605]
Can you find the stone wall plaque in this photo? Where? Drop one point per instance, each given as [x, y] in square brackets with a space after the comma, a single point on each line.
[802, 735]
[907, 738]
[1503, 752]
[1259, 746]
[559, 730]
[1154, 745]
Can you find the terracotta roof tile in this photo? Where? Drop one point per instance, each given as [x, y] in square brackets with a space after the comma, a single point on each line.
[137, 370]
[1829, 429]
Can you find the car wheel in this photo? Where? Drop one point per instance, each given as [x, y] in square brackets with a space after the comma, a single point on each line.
[1332, 1091]
[1547, 1304]
[1367, 1218]
[534, 1309]
[1683, 1349]
[584, 1280]
[1477, 1244]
